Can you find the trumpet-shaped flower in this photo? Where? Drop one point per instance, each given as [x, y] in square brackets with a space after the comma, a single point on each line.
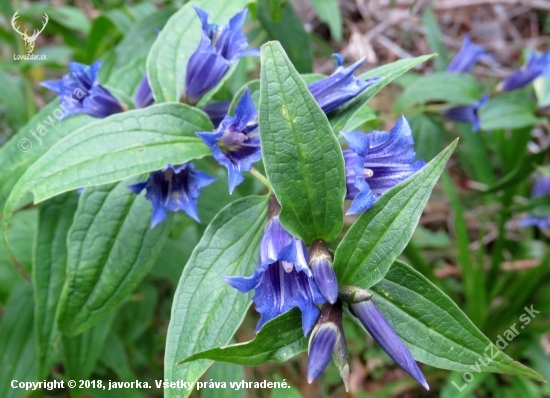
[384, 334]
[80, 92]
[173, 188]
[376, 162]
[327, 340]
[467, 57]
[236, 142]
[467, 113]
[537, 65]
[340, 87]
[219, 48]
[282, 280]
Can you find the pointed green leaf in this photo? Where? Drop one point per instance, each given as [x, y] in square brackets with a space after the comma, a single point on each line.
[340, 116]
[380, 234]
[111, 247]
[24, 148]
[80, 353]
[48, 274]
[302, 157]
[434, 328]
[17, 346]
[115, 148]
[207, 311]
[277, 334]
[168, 58]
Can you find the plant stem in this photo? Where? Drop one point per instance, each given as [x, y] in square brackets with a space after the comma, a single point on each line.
[260, 177]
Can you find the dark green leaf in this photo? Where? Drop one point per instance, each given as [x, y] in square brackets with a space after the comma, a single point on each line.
[329, 12]
[207, 311]
[290, 32]
[111, 247]
[380, 234]
[276, 334]
[24, 148]
[508, 111]
[48, 274]
[523, 169]
[454, 88]
[435, 329]
[80, 353]
[111, 149]
[17, 347]
[302, 157]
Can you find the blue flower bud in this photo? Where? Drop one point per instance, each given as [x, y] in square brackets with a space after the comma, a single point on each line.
[323, 272]
[217, 111]
[144, 95]
[327, 340]
[384, 334]
[80, 92]
[173, 188]
[467, 114]
[341, 86]
[467, 57]
[537, 65]
[219, 48]
[376, 162]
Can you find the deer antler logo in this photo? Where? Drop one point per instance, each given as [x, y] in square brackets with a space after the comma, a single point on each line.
[29, 40]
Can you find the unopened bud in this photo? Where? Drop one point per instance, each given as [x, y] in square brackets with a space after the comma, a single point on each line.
[353, 294]
[323, 272]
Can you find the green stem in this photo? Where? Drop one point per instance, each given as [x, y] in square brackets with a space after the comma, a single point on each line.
[260, 177]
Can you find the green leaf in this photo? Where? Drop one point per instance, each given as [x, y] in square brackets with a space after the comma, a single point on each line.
[48, 274]
[340, 116]
[80, 353]
[380, 234]
[111, 247]
[206, 311]
[428, 133]
[329, 13]
[137, 41]
[508, 111]
[168, 58]
[289, 31]
[225, 372]
[17, 347]
[127, 78]
[302, 157]
[24, 148]
[454, 88]
[435, 329]
[435, 39]
[276, 334]
[115, 148]
[523, 169]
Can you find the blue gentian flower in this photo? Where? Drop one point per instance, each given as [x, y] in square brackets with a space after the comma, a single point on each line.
[217, 111]
[467, 57]
[541, 188]
[219, 48]
[144, 95]
[173, 188]
[537, 65]
[323, 271]
[236, 142]
[384, 334]
[80, 92]
[341, 86]
[282, 280]
[467, 113]
[327, 340]
[376, 162]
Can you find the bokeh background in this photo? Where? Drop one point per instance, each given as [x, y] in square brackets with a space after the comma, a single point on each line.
[469, 241]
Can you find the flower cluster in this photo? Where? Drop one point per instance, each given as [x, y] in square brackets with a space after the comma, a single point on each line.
[288, 275]
[82, 89]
